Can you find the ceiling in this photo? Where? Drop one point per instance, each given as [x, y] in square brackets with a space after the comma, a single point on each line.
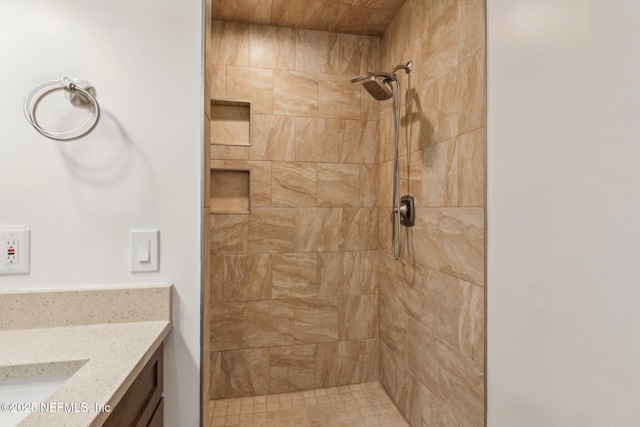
[365, 17]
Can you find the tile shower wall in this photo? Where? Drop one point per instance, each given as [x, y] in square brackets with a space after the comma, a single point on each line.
[432, 299]
[294, 298]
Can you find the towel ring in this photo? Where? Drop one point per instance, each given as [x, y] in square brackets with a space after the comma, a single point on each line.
[78, 93]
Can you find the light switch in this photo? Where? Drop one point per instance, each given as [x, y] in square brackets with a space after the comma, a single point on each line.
[144, 250]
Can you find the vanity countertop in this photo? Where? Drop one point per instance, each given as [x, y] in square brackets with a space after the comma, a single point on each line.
[105, 357]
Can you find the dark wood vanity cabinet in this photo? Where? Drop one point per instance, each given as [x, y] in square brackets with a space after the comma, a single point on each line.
[142, 404]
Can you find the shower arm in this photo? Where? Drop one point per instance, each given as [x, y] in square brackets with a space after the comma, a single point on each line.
[386, 76]
[407, 68]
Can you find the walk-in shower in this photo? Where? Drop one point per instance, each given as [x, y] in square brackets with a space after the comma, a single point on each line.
[381, 86]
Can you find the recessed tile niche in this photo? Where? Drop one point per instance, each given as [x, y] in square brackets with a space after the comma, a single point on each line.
[230, 122]
[230, 189]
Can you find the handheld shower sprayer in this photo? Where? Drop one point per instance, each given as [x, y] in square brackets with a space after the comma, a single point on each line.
[380, 86]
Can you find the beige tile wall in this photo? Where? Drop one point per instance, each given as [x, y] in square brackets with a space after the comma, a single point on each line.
[302, 288]
[432, 300]
[294, 301]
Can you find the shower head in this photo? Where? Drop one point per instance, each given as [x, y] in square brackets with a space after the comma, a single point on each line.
[378, 83]
[378, 88]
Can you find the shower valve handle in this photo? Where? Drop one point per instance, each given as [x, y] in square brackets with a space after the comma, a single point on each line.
[406, 212]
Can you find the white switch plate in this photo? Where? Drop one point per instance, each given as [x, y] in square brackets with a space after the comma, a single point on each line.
[15, 250]
[143, 245]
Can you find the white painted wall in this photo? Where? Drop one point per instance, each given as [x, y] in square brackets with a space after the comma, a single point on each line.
[563, 213]
[141, 167]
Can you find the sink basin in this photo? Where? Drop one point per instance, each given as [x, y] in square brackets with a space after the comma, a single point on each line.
[22, 395]
[27, 390]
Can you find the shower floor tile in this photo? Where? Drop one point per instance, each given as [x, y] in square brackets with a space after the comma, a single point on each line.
[358, 405]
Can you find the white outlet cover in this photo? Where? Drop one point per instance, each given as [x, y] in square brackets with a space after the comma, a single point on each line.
[18, 237]
[147, 240]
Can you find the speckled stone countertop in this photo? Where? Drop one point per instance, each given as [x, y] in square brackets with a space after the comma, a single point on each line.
[105, 348]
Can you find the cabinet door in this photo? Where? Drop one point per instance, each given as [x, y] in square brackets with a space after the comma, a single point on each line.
[139, 403]
[157, 420]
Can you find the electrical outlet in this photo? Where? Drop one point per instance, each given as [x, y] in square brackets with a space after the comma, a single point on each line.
[14, 247]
